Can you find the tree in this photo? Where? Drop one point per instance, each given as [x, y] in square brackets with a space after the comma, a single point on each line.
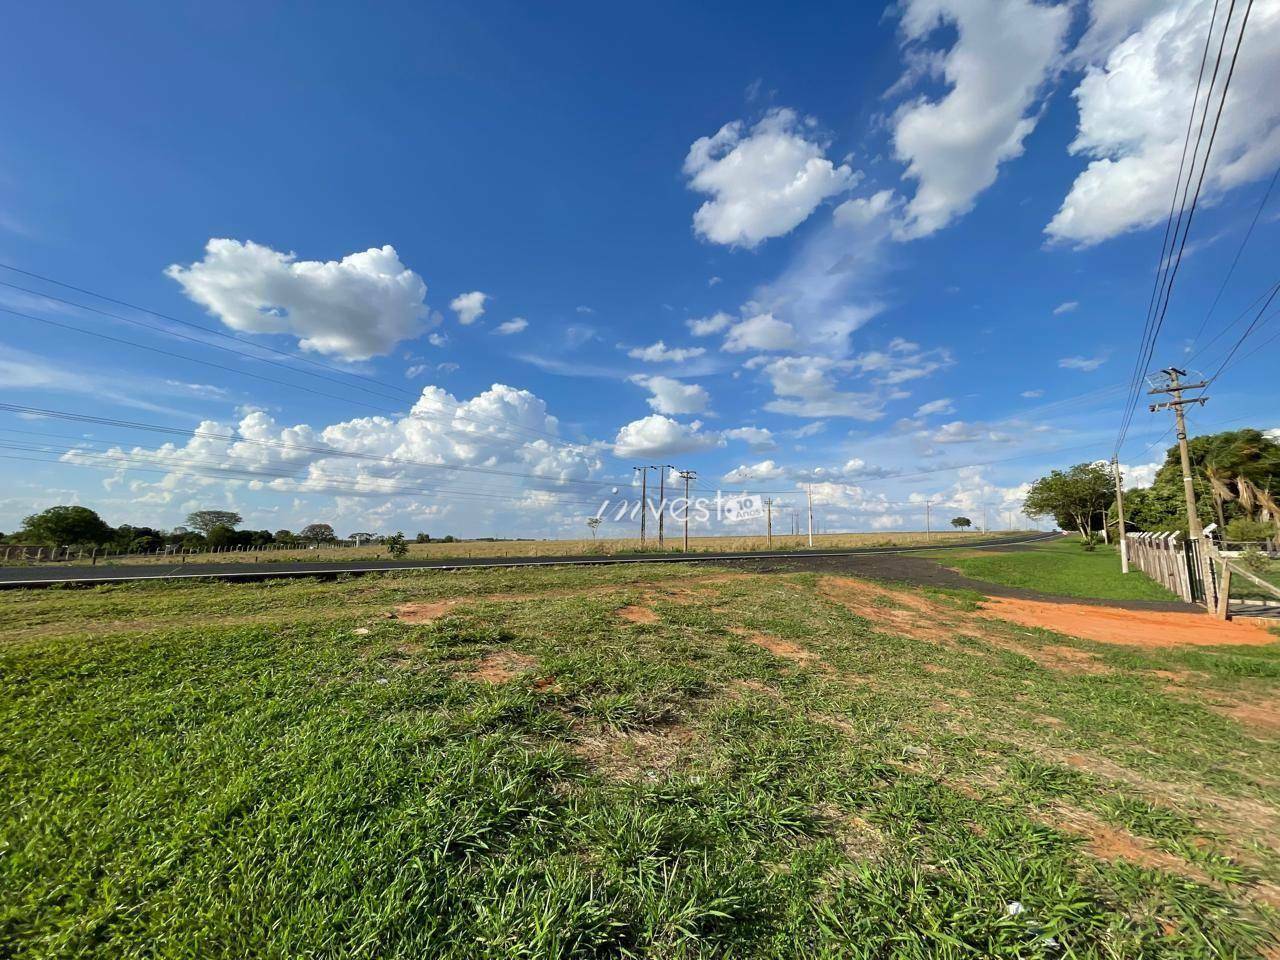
[206, 520]
[361, 537]
[1077, 498]
[317, 533]
[594, 524]
[961, 523]
[66, 526]
[396, 546]
[422, 537]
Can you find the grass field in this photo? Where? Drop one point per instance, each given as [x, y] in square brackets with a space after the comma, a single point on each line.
[620, 762]
[1059, 567]
[562, 548]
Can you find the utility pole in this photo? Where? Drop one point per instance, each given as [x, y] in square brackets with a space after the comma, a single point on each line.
[686, 476]
[662, 497]
[928, 521]
[768, 521]
[1124, 542]
[984, 519]
[644, 499]
[1194, 530]
[808, 489]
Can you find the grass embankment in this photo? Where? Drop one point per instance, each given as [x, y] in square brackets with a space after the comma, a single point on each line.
[465, 549]
[1060, 567]
[619, 761]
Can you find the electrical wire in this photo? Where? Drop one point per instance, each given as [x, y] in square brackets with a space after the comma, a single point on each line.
[325, 450]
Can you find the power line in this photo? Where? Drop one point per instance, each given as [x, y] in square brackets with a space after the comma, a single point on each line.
[1244, 242]
[385, 486]
[1164, 295]
[397, 394]
[295, 386]
[1135, 378]
[327, 451]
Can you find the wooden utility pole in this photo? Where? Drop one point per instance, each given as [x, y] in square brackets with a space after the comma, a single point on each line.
[768, 521]
[686, 476]
[928, 520]
[644, 499]
[1195, 531]
[1124, 543]
[808, 489]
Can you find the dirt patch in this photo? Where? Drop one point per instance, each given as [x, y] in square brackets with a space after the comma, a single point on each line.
[1109, 843]
[637, 614]
[425, 612]
[501, 666]
[1260, 716]
[776, 645]
[1067, 659]
[892, 611]
[1133, 628]
[634, 755]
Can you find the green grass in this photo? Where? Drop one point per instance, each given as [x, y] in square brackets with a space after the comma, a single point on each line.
[214, 770]
[1059, 567]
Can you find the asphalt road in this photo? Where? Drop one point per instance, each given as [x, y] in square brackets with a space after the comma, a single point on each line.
[51, 575]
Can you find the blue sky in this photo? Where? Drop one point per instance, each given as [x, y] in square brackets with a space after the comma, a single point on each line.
[824, 245]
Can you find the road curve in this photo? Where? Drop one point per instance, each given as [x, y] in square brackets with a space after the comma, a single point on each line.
[48, 576]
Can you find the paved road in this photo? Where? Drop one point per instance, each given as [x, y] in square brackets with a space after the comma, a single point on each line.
[927, 572]
[45, 576]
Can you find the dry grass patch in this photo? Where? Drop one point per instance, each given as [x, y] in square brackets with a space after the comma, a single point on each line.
[634, 755]
[635, 613]
[425, 612]
[777, 646]
[893, 611]
[502, 666]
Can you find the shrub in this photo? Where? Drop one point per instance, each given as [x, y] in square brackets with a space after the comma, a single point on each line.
[1244, 530]
[397, 548]
[1090, 543]
[1255, 560]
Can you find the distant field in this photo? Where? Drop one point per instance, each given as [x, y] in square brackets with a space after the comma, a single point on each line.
[1059, 567]
[620, 761]
[587, 547]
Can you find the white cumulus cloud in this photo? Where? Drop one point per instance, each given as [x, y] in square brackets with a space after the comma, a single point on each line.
[469, 306]
[763, 182]
[757, 438]
[761, 332]
[659, 436]
[673, 396]
[355, 308]
[1003, 53]
[1134, 102]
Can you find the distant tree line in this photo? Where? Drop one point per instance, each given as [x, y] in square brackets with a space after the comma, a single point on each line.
[77, 526]
[1235, 475]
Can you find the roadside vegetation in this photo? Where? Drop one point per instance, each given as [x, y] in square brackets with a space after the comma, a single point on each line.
[125, 545]
[621, 761]
[1060, 567]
